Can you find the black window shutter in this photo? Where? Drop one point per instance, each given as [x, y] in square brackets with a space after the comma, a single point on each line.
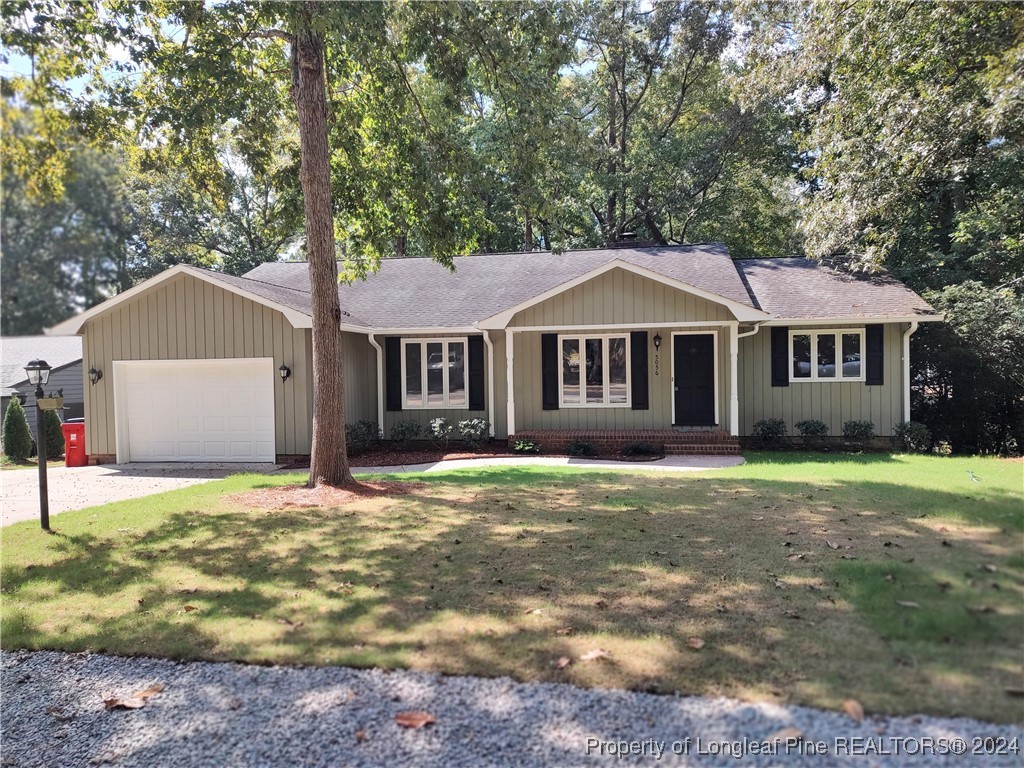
[638, 372]
[874, 374]
[549, 363]
[475, 361]
[393, 372]
[780, 356]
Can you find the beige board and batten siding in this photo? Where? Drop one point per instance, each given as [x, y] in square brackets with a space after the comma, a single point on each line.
[359, 360]
[191, 319]
[831, 402]
[423, 416]
[623, 298]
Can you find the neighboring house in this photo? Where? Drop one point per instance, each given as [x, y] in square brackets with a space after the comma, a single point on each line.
[64, 356]
[680, 345]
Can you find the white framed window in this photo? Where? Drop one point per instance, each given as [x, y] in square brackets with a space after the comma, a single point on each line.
[434, 373]
[593, 371]
[830, 355]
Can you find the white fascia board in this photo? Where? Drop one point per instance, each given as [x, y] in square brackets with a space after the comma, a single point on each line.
[854, 320]
[73, 325]
[740, 311]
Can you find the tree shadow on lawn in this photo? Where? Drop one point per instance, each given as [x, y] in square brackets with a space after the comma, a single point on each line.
[795, 589]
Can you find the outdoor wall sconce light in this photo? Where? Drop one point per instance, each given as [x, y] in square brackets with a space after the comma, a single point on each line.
[285, 372]
[657, 341]
[94, 375]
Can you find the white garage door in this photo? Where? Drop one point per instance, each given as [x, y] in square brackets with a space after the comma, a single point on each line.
[196, 410]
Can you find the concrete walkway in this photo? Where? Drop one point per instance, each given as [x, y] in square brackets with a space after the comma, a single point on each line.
[667, 464]
[79, 487]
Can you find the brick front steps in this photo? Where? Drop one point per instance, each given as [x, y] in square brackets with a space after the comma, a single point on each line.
[674, 442]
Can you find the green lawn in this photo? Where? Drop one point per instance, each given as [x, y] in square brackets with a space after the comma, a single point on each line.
[7, 464]
[894, 580]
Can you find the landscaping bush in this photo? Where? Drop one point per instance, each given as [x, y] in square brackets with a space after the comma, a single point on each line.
[54, 435]
[581, 448]
[770, 431]
[441, 431]
[404, 432]
[858, 432]
[361, 436]
[16, 434]
[526, 446]
[912, 437]
[812, 431]
[641, 448]
[474, 432]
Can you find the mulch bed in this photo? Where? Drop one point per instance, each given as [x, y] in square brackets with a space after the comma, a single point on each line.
[303, 497]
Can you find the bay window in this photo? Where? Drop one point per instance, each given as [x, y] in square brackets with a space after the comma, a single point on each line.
[594, 371]
[434, 373]
[830, 355]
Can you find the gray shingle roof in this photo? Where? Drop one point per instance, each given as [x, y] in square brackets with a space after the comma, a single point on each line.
[297, 299]
[420, 293]
[804, 288]
[15, 351]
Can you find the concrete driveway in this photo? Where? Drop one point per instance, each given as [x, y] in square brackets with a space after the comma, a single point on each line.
[78, 487]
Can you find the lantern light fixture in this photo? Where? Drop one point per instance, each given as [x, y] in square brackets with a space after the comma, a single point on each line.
[94, 375]
[285, 372]
[38, 372]
[657, 341]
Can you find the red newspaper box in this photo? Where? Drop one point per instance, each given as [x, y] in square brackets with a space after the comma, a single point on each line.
[74, 445]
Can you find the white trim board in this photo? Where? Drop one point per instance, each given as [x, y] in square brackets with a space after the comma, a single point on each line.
[741, 312]
[74, 325]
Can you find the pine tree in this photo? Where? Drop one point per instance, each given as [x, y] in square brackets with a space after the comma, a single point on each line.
[17, 437]
[54, 435]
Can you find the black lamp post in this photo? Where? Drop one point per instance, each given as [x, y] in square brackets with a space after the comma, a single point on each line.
[39, 373]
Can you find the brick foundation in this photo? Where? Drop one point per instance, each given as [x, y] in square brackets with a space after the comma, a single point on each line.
[101, 458]
[610, 441]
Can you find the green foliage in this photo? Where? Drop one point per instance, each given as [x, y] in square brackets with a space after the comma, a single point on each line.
[440, 430]
[54, 435]
[911, 437]
[17, 436]
[404, 432]
[580, 448]
[812, 430]
[769, 431]
[361, 436]
[526, 446]
[474, 432]
[642, 448]
[858, 432]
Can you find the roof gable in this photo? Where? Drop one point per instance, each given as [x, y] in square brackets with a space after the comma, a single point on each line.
[16, 351]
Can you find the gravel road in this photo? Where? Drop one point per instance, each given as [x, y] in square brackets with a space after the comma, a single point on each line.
[224, 715]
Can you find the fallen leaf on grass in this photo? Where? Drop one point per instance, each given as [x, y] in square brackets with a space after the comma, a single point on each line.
[907, 604]
[190, 608]
[980, 609]
[136, 701]
[831, 544]
[1015, 692]
[695, 642]
[791, 614]
[562, 662]
[988, 567]
[360, 737]
[595, 655]
[414, 719]
[563, 631]
[787, 735]
[854, 710]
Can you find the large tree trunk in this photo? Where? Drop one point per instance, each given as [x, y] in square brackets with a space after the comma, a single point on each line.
[328, 462]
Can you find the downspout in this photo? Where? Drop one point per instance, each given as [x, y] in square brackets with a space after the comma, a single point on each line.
[734, 405]
[490, 380]
[380, 381]
[906, 368]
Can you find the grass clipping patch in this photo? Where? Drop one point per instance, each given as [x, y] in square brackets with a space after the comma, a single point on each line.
[304, 497]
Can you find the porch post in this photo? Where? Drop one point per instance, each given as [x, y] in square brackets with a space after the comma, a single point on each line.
[734, 396]
[510, 355]
[490, 380]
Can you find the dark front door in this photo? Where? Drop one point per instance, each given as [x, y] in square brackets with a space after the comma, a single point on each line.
[694, 373]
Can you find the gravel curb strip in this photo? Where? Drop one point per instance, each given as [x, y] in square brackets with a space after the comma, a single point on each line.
[222, 715]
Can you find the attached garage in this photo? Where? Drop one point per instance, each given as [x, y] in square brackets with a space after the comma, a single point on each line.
[195, 410]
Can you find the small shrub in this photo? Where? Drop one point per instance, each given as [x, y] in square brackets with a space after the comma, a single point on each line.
[54, 435]
[641, 448]
[16, 434]
[404, 432]
[441, 431]
[770, 431]
[812, 431]
[858, 432]
[361, 436]
[581, 448]
[474, 432]
[911, 437]
[526, 446]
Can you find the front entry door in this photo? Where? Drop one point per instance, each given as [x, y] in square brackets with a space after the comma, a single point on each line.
[694, 374]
